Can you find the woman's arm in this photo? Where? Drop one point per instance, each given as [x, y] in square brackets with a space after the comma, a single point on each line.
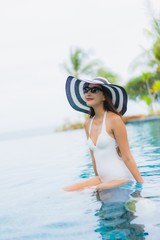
[112, 184]
[93, 163]
[86, 126]
[120, 134]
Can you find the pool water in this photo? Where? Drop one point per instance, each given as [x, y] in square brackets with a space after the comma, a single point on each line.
[36, 167]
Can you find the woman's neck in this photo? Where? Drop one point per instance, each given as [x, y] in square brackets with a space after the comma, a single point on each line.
[99, 113]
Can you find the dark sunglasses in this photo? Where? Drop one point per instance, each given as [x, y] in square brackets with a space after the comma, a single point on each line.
[91, 89]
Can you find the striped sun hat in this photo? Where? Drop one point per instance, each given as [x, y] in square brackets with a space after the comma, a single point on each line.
[75, 95]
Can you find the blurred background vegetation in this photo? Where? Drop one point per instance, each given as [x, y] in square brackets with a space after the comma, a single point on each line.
[145, 86]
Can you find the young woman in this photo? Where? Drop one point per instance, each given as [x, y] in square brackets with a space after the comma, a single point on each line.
[105, 103]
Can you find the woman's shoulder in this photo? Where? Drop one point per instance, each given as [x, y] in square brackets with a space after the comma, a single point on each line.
[114, 118]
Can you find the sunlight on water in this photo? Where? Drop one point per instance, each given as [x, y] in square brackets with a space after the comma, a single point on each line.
[36, 167]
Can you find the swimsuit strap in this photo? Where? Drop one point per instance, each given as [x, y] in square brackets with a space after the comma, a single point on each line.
[104, 122]
[90, 126]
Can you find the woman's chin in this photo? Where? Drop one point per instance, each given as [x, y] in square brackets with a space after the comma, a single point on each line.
[89, 104]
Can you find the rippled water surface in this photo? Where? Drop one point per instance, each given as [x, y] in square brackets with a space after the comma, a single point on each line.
[35, 168]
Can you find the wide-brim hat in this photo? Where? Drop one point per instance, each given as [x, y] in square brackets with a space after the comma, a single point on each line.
[75, 95]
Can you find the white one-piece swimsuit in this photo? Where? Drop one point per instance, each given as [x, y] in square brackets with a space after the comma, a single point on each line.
[110, 166]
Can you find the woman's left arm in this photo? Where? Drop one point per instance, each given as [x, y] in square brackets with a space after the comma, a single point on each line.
[120, 134]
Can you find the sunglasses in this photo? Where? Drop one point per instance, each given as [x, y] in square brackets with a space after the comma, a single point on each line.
[92, 90]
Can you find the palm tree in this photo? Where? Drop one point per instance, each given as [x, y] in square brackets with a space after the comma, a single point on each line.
[146, 77]
[80, 64]
[150, 57]
[156, 52]
[106, 73]
[145, 87]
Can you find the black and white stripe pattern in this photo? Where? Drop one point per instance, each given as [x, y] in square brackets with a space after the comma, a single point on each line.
[75, 96]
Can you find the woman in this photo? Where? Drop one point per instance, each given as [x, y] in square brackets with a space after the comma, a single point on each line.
[112, 160]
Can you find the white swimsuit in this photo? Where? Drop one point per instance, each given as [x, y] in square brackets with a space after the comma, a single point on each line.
[110, 166]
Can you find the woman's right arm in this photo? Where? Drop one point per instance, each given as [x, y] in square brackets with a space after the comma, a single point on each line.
[93, 163]
[86, 126]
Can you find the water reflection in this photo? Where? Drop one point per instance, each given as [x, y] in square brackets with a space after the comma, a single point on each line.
[117, 211]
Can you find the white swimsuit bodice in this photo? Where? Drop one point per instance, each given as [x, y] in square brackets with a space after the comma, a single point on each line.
[110, 166]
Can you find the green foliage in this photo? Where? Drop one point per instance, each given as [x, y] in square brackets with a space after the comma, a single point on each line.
[103, 72]
[156, 27]
[137, 87]
[156, 86]
[147, 99]
[150, 58]
[145, 87]
[79, 63]
[156, 49]
[146, 76]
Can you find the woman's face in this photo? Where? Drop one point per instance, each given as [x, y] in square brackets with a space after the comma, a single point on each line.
[93, 95]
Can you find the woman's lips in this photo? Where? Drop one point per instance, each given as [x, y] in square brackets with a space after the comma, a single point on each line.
[89, 99]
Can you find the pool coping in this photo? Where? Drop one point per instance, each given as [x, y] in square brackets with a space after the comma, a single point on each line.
[141, 118]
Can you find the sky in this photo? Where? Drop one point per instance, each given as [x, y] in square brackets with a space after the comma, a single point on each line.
[36, 37]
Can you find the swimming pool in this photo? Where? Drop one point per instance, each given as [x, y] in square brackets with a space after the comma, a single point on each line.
[34, 169]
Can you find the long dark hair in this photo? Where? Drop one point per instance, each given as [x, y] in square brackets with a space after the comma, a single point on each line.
[107, 104]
